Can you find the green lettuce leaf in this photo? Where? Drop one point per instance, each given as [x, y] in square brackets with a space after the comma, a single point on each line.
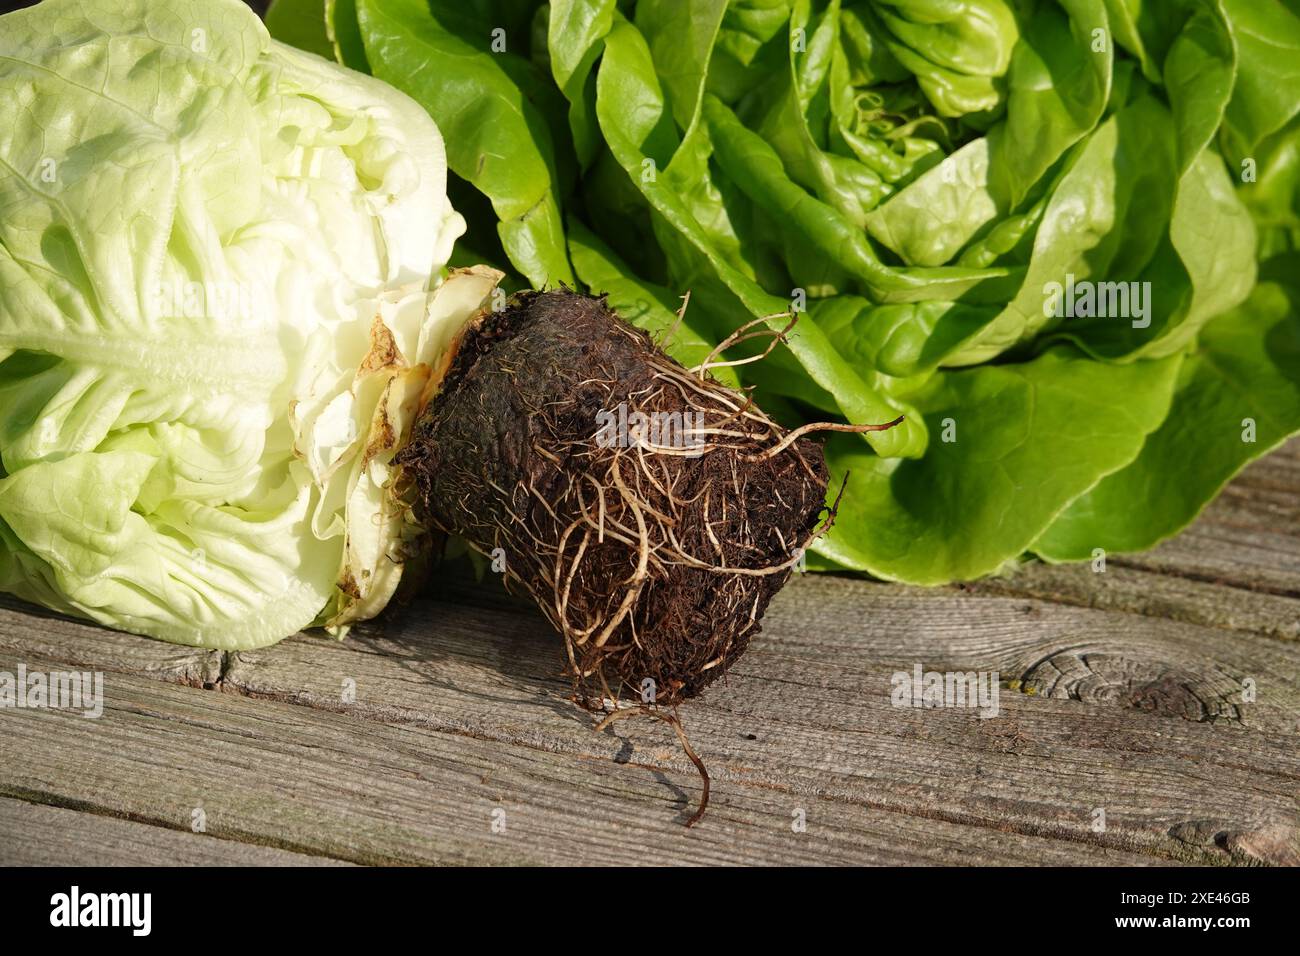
[1237, 397]
[919, 182]
[1026, 439]
[217, 262]
[496, 138]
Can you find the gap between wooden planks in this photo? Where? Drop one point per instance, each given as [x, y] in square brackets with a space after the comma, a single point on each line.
[1129, 702]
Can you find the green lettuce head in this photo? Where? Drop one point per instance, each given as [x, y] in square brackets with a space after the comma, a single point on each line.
[220, 308]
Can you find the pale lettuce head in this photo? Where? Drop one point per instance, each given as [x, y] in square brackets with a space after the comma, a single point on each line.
[216, 320]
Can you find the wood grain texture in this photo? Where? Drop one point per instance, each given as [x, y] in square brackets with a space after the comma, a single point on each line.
[31, 630]
[343, 786]
[805, 720]
[1152, 593]
[38, 835]
[1164, 692]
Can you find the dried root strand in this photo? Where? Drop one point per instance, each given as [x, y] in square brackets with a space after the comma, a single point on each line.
[743, 334]
[798, 433]
[675, 723]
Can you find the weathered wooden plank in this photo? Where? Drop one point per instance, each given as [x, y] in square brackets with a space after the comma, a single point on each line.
[36, 835]
[1193, 672]
[28, 629]
[336, 785]
[1123, 660]
[1154, 728]
[1171, 596]
[808, 711]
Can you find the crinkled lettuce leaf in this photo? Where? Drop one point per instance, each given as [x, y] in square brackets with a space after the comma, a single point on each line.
[919, 183]
[219, 312]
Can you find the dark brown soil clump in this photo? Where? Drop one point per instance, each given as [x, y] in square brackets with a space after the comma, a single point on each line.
[653, 549]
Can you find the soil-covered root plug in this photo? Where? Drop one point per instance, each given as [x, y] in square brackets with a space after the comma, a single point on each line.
[650, 511]
[641, 505]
